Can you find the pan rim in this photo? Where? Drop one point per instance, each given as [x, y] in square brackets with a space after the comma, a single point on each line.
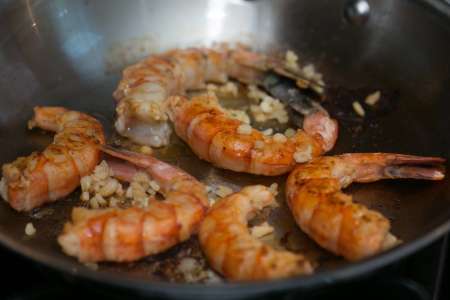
[340, 274]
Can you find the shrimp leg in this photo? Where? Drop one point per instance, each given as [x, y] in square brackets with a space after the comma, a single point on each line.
[232, 251]
[330, 217]
[130, 234]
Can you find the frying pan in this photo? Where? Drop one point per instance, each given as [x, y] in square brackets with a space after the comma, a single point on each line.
[70, 53]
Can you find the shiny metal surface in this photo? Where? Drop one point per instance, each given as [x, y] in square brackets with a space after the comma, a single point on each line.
[70, 53]
[357, 11]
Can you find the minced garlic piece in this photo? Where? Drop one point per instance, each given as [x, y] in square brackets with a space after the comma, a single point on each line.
[30, 229]
[267, 132]
[259, 145]
[290, 132]
[244, 129]
[146, 150]
[358, 109]
[239, 115]
[261, 230]
[279, 138]
[223, 191]
[303, 155]
[373, 98]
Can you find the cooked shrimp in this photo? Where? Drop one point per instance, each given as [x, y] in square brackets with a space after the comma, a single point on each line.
[141, 94]
[230, 248]
[130, 234]
[31, 181]
[330, 217]
[217, 138]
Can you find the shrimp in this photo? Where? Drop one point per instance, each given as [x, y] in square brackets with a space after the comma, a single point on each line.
[41, 177]
[331, 218]
[144, 87]
[217, 138]
[130, 234]
[232, 251]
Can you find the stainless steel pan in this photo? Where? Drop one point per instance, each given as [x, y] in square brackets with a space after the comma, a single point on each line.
[70, 53]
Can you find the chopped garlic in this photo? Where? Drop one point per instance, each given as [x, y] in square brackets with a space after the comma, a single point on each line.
[239, 115]
[85, 196]
[146, 150]
[223, 191]
[358, 109]
[30, 229]
[373, 98]
[279, 138]
[244, 129]
[229, 88]
[290, 132]
[259, 145]
[303, 155]
[274, 188]
[268, 132]
[261, 230]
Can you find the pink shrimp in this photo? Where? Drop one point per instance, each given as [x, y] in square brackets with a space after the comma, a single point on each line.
[144, 87]
[130, 234]
[232, 251]
[31, 181]
[331, 218]
[217, 138]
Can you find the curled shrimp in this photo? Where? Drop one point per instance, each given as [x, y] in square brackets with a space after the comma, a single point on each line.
[331, 218]
[130, 234]
[230, 248]
[41, 177]
[144, 87]
[217, 138]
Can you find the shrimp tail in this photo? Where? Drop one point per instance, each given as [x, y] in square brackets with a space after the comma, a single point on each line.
[122, 170]
[425, 173]
[154, 167]
[416, 167]
[137, 159]
[396, 166]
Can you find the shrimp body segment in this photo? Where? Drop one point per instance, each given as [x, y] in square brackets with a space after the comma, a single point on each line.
[230, 248]
[31, 181]
[132, 233]
[330, 217]
[217, 138]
